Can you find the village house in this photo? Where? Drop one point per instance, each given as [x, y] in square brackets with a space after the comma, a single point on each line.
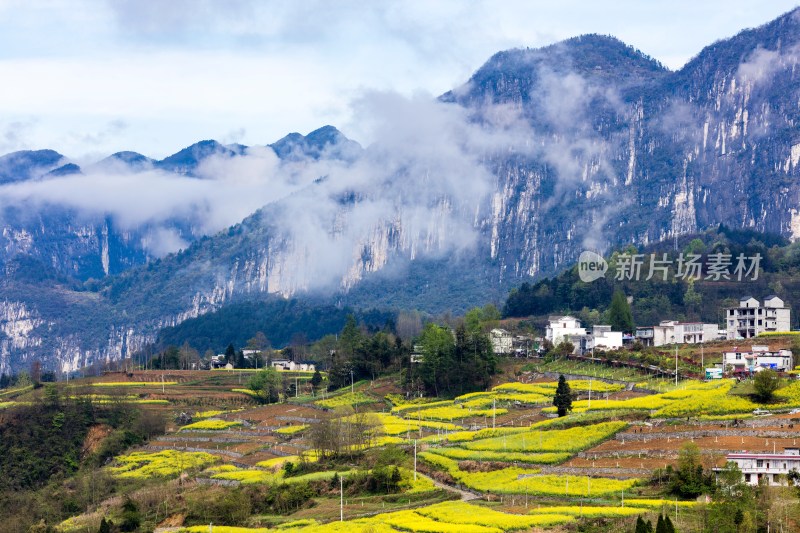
[561, 328]
[674, 332]
[602, 338]
[741, 362]
[750, 318]
[525, 346]
[502, 341]
[771, 468]
[291, 366]
[218, 361]
[417, 354]
[568, 329]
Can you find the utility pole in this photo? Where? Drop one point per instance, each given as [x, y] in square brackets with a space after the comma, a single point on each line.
[341, 499]
[675, 340]
[415, 459]
[351, 381]
[494, 413]
[702, 360]
[589, 406]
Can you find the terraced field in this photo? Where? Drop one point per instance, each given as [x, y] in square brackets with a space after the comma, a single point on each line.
[522, 467]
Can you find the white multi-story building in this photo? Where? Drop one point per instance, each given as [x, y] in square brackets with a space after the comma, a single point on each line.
[502, 341]
[759, 357]
[769, 467]
[751, 318]
[672, 332]
[602, 338]
[562, 328]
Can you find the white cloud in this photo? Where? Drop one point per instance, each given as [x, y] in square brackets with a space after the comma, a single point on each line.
[176, 72]
[762, 64]
[425, 174]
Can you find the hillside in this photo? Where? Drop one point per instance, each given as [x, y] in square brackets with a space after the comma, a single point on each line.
[496, 460]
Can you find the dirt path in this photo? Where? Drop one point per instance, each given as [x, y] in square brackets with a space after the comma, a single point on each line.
[465, 494]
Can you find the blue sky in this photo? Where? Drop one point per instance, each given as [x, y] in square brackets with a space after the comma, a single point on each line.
[91, 77]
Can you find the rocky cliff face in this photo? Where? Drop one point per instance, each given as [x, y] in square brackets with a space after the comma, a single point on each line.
[542, 154]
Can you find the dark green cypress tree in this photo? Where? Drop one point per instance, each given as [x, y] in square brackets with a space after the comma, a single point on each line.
[230, 353]
[619, 313]
[661, 526]
[316, 379]
[668, 527]
[563, 398]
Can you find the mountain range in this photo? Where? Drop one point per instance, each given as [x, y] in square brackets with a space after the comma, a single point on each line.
[542, 153]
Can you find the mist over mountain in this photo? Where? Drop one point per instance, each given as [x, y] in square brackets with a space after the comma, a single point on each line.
[587, 143]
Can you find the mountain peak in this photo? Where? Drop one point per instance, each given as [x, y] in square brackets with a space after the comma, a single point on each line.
[325, 141]
[513, 74]
[127, 159]
[582, 54]
[186, 161]
[780, 35]
[65, 170]
[27, 164]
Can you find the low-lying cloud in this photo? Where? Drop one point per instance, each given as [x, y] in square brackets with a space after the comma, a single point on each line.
[421, 188]
[427, 156]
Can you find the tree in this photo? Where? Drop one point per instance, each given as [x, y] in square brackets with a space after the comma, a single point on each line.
[473, 361]
[260, 344]
[351, 338]
[344, 435]
[408, 325]
[105, 527]
[230, 353]
[564, 348]
[131, 518]
[267, 384]
[664, 524]
[692, 299]
[765, 384]
[660, 527]
[258, 341]
[188, 356]
[316, 379]
[170, 359]
[689, 480]
[479, 317]
[642, 526]
[563, 398]
[793, 477]
[36, 373]
[734, 506]
[437, 347]
[619, 312]
[796, 346]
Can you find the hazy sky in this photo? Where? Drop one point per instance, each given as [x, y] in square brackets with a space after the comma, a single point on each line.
[91, 77]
